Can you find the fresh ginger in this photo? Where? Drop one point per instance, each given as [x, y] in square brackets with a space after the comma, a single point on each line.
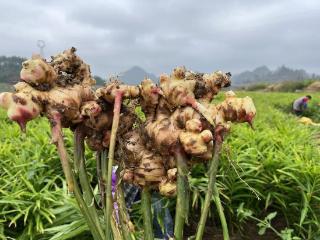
[71, 69]
[68, 101]
[235, 109]
[168, 186]
[148, 167]
[40, 92]
[38, 73]
[172, 123]
[56, 89]
[109, 92]
[21, 107]
[176, 89]
[178, 112]
[194, 140]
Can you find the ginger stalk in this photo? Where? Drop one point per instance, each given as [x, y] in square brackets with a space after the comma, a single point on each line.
[100, 178]
[222, 216]
[213, 168]
[115, 123]
[83, 177]
[84, 210]
[146, 213]
[183, 194]
[57, 139]
[124, 222]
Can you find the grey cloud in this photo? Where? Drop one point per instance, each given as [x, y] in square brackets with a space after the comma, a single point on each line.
[158, 35]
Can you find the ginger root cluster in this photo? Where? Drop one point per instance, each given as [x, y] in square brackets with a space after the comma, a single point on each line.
[178, 114]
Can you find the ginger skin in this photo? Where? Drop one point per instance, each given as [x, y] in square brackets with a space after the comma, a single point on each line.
[193, 139]
[178, 112]
[38, 74]
[39, 91]
[20, 107]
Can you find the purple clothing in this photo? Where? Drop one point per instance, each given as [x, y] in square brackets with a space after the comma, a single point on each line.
[113, 189]
[114, 181]
[300, 104]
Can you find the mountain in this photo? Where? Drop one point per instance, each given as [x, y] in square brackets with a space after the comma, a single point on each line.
[135, 75]
[10, 69]
[99, 80]
[265, 75]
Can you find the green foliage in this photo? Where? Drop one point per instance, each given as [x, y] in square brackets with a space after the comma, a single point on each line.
[274, 168]
[33, 195]
[265, 224]
[292, 86]
[10, 69]
[285, 105]
[285, 86]
[68, 224]
[140, 114]
[256, 87]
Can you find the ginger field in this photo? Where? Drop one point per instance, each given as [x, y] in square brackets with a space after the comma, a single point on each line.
[268, 179]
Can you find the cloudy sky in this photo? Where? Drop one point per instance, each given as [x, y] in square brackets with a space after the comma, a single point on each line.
[113, 36]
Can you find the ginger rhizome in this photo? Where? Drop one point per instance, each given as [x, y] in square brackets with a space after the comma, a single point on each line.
[178, 112]
[57, 90]
[47, 88]
[155, 133]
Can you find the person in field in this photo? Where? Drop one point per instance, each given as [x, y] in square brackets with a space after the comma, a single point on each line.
[301, 104]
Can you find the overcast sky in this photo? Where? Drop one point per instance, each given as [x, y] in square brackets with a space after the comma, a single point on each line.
[113, 36]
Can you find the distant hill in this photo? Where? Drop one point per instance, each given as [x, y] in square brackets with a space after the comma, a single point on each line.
[265, 75]
[99, 80]
[135, 75]
[10, 69]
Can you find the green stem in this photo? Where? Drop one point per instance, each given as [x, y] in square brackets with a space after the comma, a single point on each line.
[114, 226]
[71, 180]
[115, 124]
[123, 214]
[213, 168]
[100, 178]
[57, 139]
[84, 209]
[217, 201]
[79, 160]
[183, 192]
[146, 213]
[104, 168]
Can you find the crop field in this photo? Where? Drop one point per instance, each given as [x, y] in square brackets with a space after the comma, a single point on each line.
[268, 179]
